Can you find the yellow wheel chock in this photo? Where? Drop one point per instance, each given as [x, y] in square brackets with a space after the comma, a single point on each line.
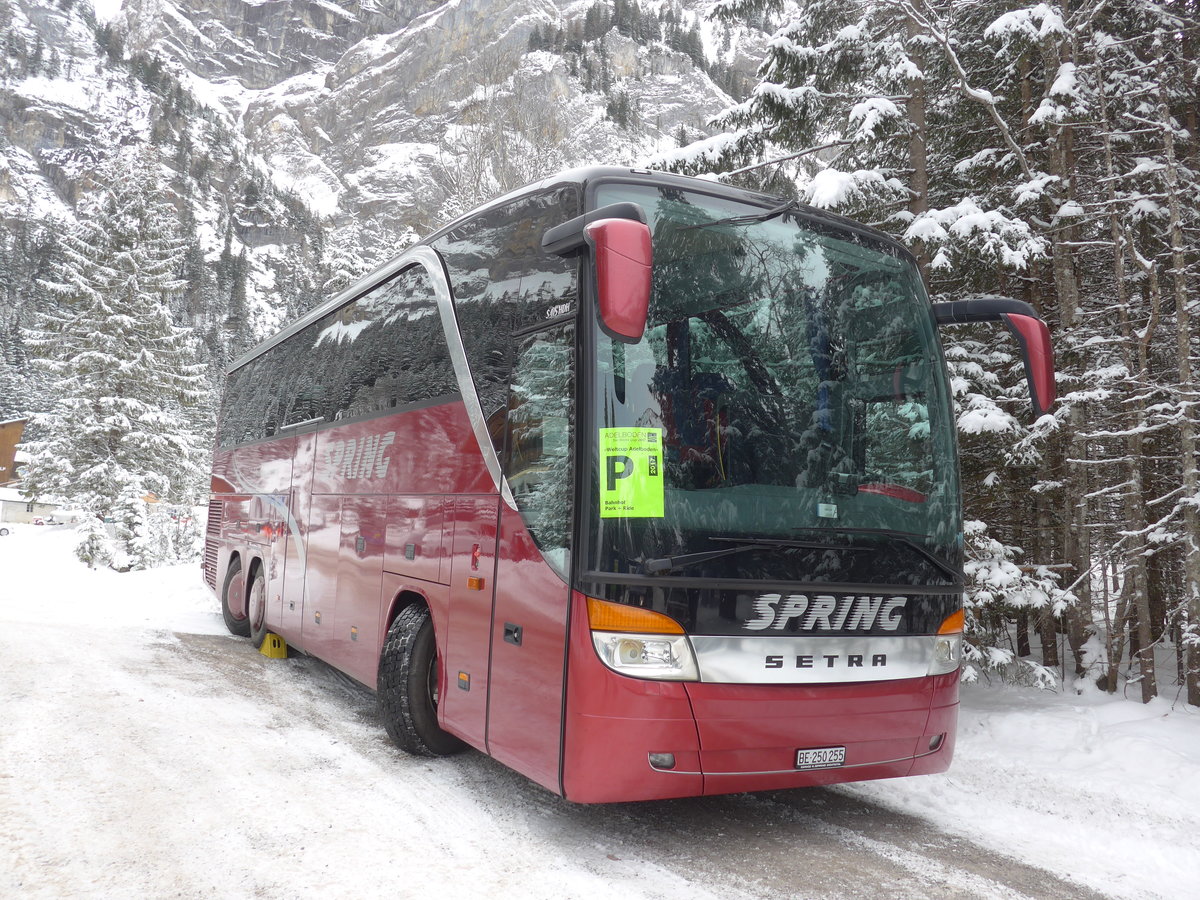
[273, 647]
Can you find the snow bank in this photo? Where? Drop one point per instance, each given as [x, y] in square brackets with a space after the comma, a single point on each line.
[1099, 787]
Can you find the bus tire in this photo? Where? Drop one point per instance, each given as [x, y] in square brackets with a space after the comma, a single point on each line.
[256, 608]
[234, 581]
[408, 675]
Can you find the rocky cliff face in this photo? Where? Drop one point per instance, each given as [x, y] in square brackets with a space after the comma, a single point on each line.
[365, 108]
[258, 43]
[305, 140]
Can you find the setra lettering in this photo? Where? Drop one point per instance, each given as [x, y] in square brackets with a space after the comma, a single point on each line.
[832, 661]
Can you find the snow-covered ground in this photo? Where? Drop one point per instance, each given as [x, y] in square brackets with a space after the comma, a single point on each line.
[145, 753]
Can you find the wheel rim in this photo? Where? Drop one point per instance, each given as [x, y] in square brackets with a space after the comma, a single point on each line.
[431, 682]
[258, 604]
[237, 587]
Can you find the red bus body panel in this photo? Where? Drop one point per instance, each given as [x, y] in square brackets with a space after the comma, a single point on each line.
[347, 532]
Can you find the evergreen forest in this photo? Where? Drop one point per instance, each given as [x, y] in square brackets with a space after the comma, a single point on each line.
[1048, 152]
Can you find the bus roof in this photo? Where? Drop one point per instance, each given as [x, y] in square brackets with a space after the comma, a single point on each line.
[582, 178]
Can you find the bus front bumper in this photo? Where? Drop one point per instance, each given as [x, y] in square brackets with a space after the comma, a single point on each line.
[631, 739]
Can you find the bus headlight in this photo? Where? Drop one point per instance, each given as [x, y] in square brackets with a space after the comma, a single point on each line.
[947, 645]
[947, 654]
[666, 657]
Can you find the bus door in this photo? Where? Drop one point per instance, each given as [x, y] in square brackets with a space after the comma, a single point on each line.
[529, 628]
[528, 655]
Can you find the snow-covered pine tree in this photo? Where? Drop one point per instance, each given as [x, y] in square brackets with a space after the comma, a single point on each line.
[344, 262]
[881, 108]
[122, 371]
[1041, 151]
[835, 77]
[14, 397]
[999, 591]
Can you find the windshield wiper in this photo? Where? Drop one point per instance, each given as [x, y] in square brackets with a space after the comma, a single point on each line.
[653, 566]
[666, 563]
[749, 218]
[901, 537]
[743, 545]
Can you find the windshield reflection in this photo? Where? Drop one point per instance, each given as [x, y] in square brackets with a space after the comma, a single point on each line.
[793, 377]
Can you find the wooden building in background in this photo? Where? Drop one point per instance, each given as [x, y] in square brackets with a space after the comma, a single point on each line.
[10, 436]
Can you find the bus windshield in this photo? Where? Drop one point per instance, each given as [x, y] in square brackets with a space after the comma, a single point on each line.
[785, 416]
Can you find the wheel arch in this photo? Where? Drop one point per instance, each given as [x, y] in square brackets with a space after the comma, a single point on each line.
[256, 565]
[228, 558]
[404, 598]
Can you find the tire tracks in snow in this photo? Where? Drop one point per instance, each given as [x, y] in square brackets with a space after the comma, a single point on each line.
[815, 843]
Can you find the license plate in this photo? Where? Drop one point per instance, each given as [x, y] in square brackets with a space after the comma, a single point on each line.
[821, 758]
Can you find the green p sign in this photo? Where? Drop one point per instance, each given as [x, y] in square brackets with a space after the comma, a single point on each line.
[631, 473]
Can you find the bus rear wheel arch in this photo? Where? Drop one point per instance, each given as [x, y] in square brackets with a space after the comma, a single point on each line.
[235, 586]
[408, 686]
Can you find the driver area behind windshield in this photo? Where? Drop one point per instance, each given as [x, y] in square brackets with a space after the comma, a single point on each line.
[791, 375]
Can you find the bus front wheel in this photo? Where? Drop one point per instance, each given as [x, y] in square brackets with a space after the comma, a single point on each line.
[235, 585]
[408, 686]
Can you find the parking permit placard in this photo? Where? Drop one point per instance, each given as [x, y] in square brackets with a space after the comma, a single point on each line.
[631, 473]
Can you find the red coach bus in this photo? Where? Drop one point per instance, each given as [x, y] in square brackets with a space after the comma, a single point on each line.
[644, 485]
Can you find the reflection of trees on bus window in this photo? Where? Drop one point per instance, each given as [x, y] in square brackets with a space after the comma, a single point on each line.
[384, 350]
[538, 463]
[503, 282]
[794, 371]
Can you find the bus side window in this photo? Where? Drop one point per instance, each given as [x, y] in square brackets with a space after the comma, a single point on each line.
[502, 281]
[538, 465]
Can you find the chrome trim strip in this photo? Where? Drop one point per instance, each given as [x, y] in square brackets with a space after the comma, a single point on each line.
[882, 762]
[305, 423]
[429, 259]
[812, 659]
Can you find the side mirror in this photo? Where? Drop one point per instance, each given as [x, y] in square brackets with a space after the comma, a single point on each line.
[1034, 339]
[619, 240]
[624, 257]
[1030, 331]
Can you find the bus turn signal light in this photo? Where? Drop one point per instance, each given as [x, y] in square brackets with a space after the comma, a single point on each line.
[953, 623]
[606, 616]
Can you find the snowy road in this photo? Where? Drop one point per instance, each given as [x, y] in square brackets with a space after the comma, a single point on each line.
[145, 753]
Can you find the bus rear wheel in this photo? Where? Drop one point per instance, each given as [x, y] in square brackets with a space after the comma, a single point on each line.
[235, 585]
[256, 608]
[408, 686]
